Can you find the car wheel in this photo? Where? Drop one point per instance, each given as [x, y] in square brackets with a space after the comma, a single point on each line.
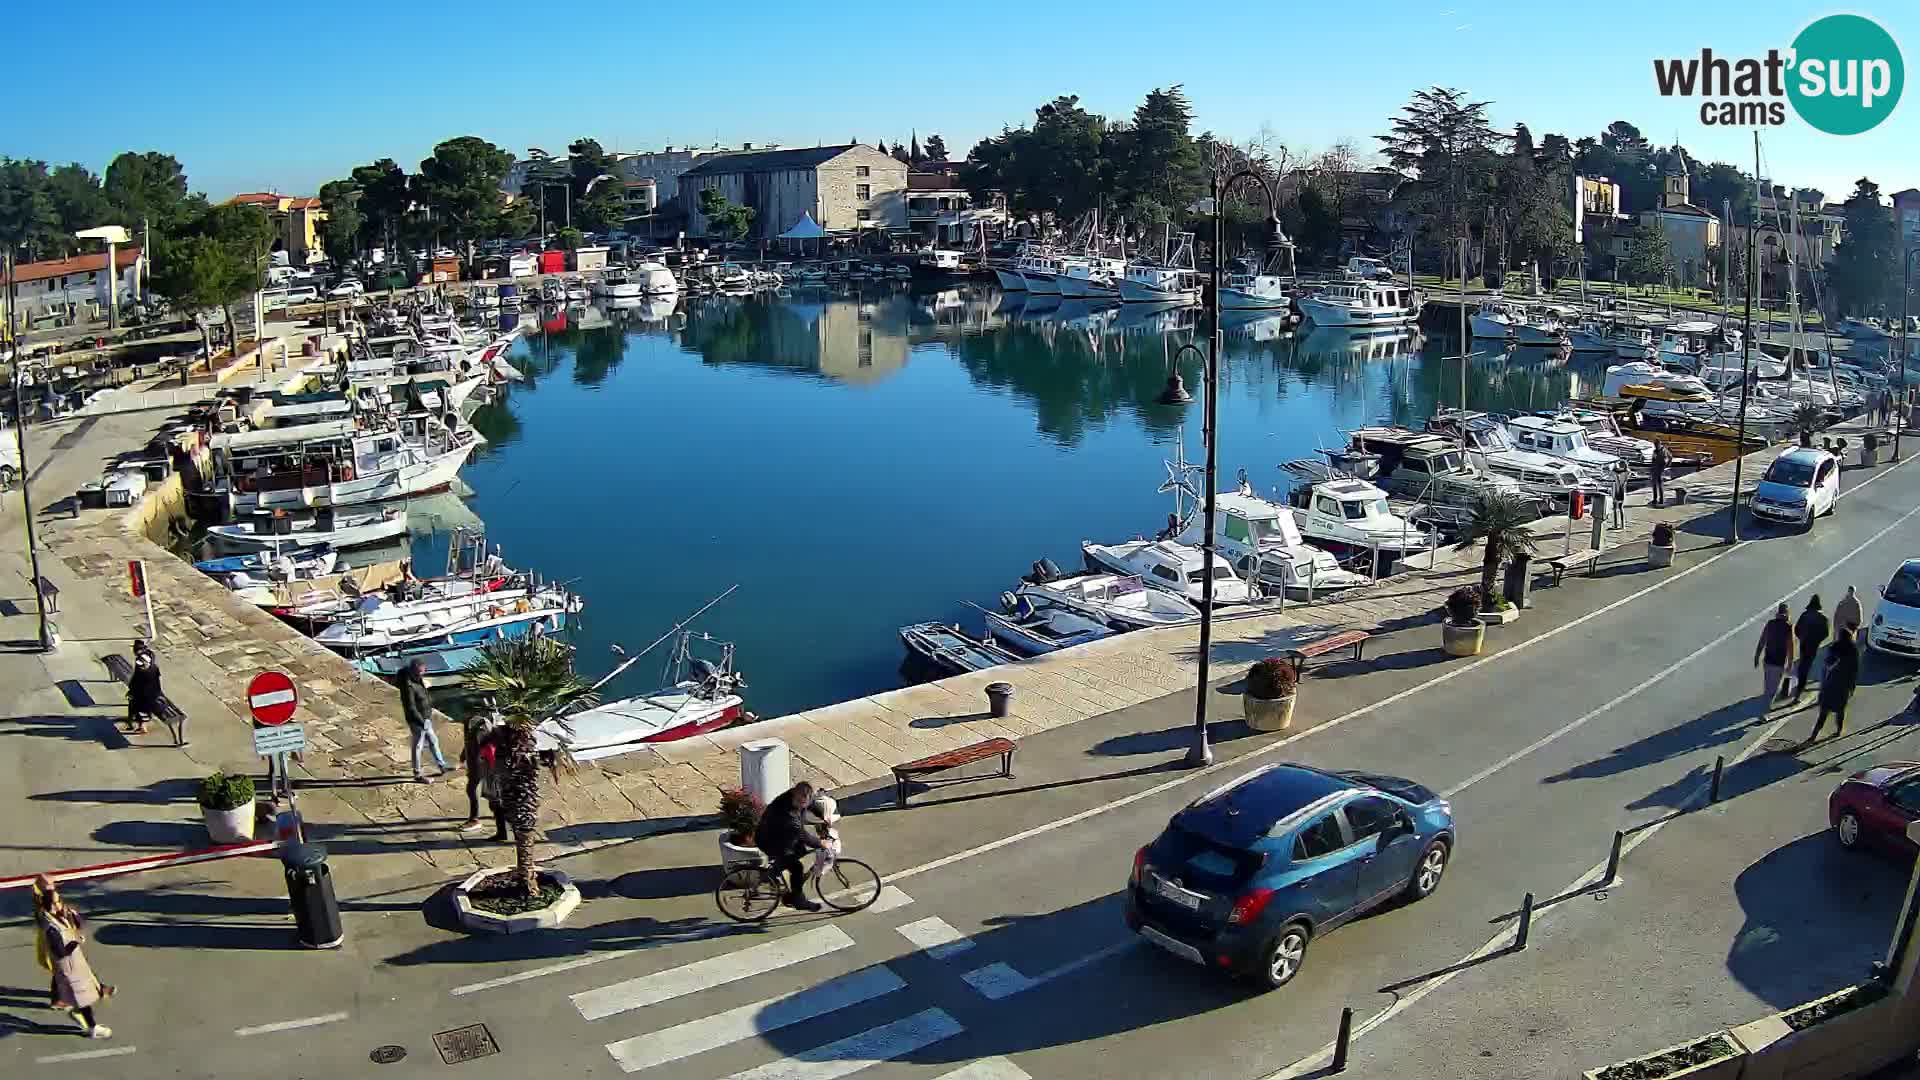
[1281, 959]
[1428, 871]
[1847, 830]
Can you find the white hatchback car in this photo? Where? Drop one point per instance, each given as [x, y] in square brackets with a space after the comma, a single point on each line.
[1896, 621]
[1800, 485]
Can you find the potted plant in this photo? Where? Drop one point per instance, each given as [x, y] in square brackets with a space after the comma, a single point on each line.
[1870, 449]
[1660, 546]
[226, 802]
[1268, 700]
[1462, 633]
[1716, 1055]
[1497, 610]
[739, 814]
[1500, 519]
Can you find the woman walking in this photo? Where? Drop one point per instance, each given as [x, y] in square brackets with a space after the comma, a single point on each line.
[1837, 683]
[61, 933]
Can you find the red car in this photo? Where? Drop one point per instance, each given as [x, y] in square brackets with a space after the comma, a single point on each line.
[1873, 807]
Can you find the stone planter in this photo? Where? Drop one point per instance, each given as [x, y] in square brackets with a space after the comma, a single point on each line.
[1722, 1068]
[1852, 1043]
[1463, 640]
[1869, 457]
[233, 826]
[1500, 617]
[1264, 714]
[732, 854]
[544, 918]
[1659, 556]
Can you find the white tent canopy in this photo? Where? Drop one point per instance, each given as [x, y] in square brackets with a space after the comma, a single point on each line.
[804, 229]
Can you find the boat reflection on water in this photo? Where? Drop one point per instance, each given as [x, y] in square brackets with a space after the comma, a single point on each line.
[1257, 326]
[1327, 343]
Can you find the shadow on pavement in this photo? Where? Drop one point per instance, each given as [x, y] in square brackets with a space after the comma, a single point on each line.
[198, 936]
[1167, 740]
[158, 793]
[98, 729]
[658, 883]
[1815, 917]
[1720, 727]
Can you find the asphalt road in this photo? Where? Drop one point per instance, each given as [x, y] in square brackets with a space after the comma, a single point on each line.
[1006, 955]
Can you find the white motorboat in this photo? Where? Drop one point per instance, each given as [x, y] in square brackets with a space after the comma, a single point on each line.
[1504, 320]
[1604, 333]
[377, 623]
[1171, 566]
[1604, 434]
[1092, 278]
[1568, 442]
[1042, 272]
[1360, 303]
[1269, 287]
[1173, 281]
[1491, 449]
[577, 289]
[1264, 544]
[1690, 344]
[698, 697]
[336, 464]
[617, 284]
[1430, 472]
[338, 528]
[1122, 602]
[1033, 629]
[1351, 515]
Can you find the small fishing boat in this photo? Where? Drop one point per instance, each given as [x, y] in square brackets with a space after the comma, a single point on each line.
[1033, 629]
[1350, 515]
[279, 557]
[338, 528]
[1170, 566]
[948, 649]
[698, 696]
[1122, 602]
[378, 624]
[1270, 286]
[1265, 545]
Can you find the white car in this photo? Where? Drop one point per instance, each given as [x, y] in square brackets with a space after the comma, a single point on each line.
[348, 288]
[1896, 621]
[1800, 485]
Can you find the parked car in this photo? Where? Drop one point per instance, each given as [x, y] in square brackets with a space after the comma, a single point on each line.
[1873, 807]
[1246, 876]
[1800, 485]
[351, 287]
[1896, 619]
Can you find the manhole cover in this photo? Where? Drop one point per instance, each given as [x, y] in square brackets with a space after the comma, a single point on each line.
[387, 1055]
[465, 1044]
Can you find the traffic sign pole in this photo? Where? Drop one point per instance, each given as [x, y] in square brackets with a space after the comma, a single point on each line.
[272, 698]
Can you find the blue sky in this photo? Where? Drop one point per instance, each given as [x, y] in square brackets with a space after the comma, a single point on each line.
[256, 96]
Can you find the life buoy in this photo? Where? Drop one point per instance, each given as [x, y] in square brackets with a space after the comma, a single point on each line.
[346, 472]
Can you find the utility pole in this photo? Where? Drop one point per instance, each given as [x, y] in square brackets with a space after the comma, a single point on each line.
[1466, 343]
[20, 437]
[1746, 356]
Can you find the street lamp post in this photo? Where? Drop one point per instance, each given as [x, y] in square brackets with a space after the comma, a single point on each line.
[1200, 754]
[8, 339]
[1900, 400]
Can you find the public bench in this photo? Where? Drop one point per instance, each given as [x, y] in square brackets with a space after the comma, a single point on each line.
[1353, 639]
[1558, 565]
[120, 668]
[49, 594]
[926, 767]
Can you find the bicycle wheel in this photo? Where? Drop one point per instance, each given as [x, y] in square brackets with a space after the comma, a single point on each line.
[746, 894]
[848, 885]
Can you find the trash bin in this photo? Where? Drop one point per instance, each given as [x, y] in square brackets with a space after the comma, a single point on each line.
[316, 914]
[999, 699]
[1519, 583]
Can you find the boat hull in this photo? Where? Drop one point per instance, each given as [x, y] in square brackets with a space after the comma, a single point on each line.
[1241, 300]
[1010, 280]
[1134, 292]
[1044, 284]
[417, 478]
[1321, 313]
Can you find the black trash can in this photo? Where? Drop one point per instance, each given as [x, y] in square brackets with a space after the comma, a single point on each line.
[999, 699]
[316, 914]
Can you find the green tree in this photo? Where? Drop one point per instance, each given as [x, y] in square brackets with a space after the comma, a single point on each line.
[1649, 256]
[341, 231]
[150, 188]
[384, 199]
[460, 184]
[725, 219]
[79, 203]
[1448, 142]
[899, 154]
[1865, 271]
[1159, 167]
[529, 680]
[29, 221]
[936, 148]
[196, 275]
[598, 205]
[1499, 518]
[1319, 233]
[567, 239]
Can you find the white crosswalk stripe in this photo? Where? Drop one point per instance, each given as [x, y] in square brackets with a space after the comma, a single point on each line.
[714, 971]
[936, 937]
[856, 1052]
[993, 1068]
[713, 1032]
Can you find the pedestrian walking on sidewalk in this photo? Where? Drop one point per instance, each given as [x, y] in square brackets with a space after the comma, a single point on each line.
[143, 689]
[1837, 681]
[1657, 472]
[1773, 655]
[75, 989]
[1810, 631]
[1846, 614]
[417, 705]
[479, 755]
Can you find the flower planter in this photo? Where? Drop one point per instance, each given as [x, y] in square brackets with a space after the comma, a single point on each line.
[1462, 640]
[1265, 714]
[732, 854]
[233, 826]
[1728, 1067]
[1659, 556]
[544, 918]
[1851, 1043]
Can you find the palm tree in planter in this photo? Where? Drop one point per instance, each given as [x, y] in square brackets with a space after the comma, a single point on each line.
[529, 680]
[1500, 518]
[1808, 418]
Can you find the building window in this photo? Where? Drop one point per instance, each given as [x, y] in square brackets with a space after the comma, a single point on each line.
[862, 170]
[863, 192]
[865, 215]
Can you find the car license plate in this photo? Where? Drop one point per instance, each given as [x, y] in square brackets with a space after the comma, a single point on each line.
[1189, 900]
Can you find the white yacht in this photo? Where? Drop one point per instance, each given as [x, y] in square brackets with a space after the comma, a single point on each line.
[1174, 567]
[1264, 544]
[1269, 287]
[1568, 442]
[1492, 450]
[1360, 303]
[654, 279]
[1604, 434]
[1689, 344]
[1121, 601]
[1505, 320]
[1352, 516]
[617, 284]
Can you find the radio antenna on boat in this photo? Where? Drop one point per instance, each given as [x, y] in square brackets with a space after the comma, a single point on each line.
[677, 627]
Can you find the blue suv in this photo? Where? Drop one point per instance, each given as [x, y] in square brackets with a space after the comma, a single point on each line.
[1247, 875]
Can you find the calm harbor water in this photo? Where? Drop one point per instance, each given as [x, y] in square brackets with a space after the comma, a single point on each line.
[861, 461]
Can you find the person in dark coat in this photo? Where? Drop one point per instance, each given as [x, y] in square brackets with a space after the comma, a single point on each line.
[143, 689]
[783, 835]
[1776, 648]
[1837, 682]
[416, 704]
[1811, 629]
[1657, 472]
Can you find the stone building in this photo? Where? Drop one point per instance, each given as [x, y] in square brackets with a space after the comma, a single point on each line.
[846, 189]
[1690, 230]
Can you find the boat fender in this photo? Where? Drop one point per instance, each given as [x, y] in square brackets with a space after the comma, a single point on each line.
[346, 472]
[1008, 603]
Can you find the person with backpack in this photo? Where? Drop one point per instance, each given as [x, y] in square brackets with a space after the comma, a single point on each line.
[477, 756]
[1810, 630]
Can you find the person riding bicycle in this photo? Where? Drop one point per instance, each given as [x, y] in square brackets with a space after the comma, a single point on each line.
[783, 835]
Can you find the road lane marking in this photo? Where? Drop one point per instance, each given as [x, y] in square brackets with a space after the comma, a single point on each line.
[936, 937]
[993, 1068]
[590, 960]
[86, 1055]
[721, 1029]
[714, 971]
[856, 1052]
[1244, 760]
[889, 899]
[290, 1025]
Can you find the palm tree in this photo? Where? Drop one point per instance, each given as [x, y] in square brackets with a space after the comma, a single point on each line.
[1808, 418]
[529, 680]
[1500, 518]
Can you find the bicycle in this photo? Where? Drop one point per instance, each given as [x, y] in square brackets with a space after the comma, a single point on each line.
[751, 892]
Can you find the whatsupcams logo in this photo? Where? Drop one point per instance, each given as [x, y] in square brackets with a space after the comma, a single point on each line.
[1843, 75]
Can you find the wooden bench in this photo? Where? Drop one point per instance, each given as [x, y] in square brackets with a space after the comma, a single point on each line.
[952, 759]
[120, 668]
[1354, 639]
[49, 594]
[1558, 566]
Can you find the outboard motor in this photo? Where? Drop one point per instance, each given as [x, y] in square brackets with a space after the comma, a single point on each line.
[1048, 571]
[1009, 603]
[705, 674]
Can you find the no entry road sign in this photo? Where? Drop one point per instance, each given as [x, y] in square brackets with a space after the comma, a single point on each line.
[272, 698]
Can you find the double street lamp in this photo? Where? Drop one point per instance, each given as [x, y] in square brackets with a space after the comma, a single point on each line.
[1200, 754]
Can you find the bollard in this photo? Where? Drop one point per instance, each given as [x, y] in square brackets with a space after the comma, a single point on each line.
[1719, 764]
[1526, 922]
[1613, 859]
[999, 699]
[1340, 1041]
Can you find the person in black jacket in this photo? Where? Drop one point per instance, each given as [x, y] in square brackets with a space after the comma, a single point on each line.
[416, 704]
[1837, 683]
[783, 835]
[143, 689]
[1811, 629]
